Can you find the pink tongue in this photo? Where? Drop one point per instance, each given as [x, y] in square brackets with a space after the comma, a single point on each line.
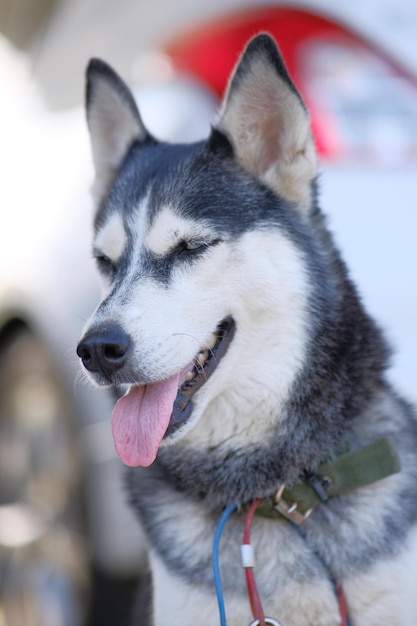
[140, 420]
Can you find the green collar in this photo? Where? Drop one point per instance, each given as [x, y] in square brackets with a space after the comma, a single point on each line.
[346, 472]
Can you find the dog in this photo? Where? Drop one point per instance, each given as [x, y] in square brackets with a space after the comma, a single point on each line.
[250, 369]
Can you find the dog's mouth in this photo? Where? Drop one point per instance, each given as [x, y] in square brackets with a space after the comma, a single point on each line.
[199, 372]
[149, 413]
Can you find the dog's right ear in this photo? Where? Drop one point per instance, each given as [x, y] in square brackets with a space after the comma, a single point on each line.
[113, 121]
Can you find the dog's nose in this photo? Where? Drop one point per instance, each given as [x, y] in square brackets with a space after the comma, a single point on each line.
[104, 349]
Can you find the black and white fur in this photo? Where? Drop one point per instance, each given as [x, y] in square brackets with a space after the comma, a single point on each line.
[187, 236]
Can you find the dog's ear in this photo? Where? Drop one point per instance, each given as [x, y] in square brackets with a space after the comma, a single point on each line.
[113, 120]
[268, 124]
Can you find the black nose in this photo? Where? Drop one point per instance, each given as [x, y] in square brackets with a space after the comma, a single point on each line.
[104, 349]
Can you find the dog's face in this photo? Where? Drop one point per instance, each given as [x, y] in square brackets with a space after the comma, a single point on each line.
[200, 252]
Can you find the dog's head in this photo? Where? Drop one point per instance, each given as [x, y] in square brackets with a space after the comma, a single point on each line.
[200, 248]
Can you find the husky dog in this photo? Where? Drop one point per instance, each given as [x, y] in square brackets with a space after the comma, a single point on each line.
[248, 363]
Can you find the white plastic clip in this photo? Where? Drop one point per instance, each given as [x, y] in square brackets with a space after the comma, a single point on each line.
[247, 555]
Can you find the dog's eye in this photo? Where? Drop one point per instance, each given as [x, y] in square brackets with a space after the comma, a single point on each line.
[190, 247]
[105, 264]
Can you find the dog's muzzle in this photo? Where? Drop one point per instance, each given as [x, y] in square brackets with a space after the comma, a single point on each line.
[150, 410]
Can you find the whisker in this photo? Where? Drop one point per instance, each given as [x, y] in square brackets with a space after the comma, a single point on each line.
[80, 378]
[70, 353]
[200, 369]
[203, 346]
[80, 317]
[187, 335]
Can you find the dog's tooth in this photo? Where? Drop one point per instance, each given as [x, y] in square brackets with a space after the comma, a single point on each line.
[189, 375]
[211, 342]
[201, 358]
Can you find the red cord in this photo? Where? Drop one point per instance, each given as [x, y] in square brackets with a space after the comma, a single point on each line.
[342, 605]
[254, 599]
[253, 594]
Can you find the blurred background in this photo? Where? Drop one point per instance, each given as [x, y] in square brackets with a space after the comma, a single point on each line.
[71, 553]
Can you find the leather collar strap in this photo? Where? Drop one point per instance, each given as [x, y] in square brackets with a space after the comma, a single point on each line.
[354, 469]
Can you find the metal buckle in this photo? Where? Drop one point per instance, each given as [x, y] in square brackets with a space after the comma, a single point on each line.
[289, 510]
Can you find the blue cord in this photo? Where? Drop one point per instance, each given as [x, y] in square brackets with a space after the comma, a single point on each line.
[215, 556]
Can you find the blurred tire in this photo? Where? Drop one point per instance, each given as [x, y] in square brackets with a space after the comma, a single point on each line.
[43, 557]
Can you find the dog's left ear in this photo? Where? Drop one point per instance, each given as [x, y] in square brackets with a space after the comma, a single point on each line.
[268, 124]
[113, 120]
